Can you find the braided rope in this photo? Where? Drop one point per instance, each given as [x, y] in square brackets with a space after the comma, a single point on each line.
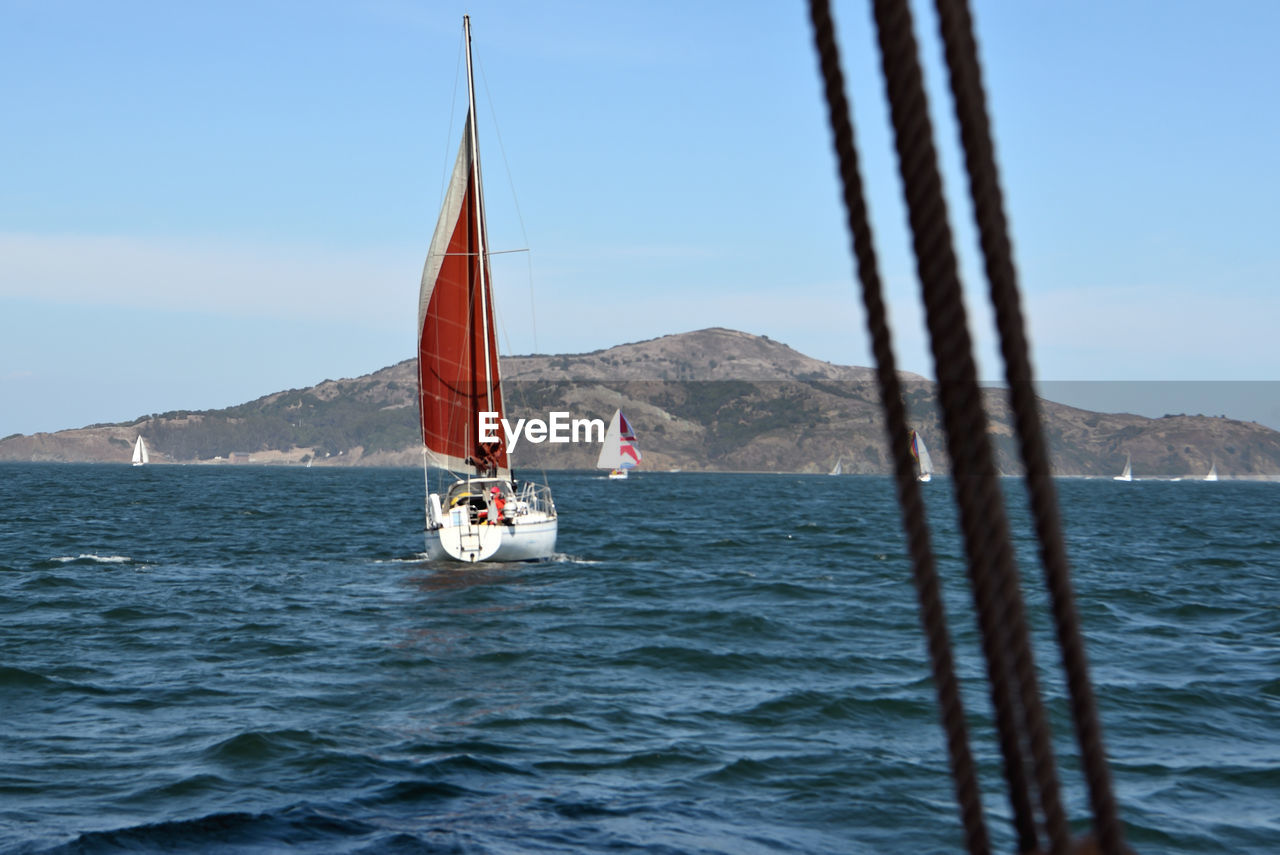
[1020, 715]
[915, 526]
[956, 26]
[1021, 721]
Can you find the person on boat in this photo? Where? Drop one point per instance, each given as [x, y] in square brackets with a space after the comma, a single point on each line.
[485, 459]
[497, 505]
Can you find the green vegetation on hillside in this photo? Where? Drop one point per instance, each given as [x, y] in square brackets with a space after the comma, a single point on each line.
[291, 420]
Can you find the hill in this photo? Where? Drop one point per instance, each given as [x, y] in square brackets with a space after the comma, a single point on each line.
[714, 399]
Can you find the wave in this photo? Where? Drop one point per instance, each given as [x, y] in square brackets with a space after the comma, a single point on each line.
[293, 829]
[565, 558]
[91, 558]
[21, 678]
[86, 559]
[417, 558]
[256, 747]
[811, 707]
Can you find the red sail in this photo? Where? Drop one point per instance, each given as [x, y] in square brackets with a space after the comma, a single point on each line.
[458, 377]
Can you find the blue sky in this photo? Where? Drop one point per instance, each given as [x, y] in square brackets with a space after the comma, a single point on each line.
[206, 202]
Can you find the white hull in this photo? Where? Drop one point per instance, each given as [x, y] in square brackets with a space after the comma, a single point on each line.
[618, 475]
[526, 541]
[526, 530]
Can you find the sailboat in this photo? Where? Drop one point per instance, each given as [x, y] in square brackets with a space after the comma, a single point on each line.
[485, 515]
[838, 469]
[619, 452]
[1213, 472]
[1127, 474]
[140, 455]
[921, 454]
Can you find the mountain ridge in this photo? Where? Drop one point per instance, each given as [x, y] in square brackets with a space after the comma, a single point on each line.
[712, 399]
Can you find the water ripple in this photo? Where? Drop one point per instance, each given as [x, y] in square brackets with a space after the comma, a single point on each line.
[260, 660]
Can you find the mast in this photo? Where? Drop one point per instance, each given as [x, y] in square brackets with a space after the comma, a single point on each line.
[480, 219]
[456, 318]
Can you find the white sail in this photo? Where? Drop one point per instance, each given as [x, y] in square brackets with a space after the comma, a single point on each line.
[839, 467]
[620, 451]
[1213, 473]
[140, 455]
[1127, 474]
[921, 453]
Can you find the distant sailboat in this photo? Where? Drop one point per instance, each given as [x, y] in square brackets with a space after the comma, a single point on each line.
[839, 467]
[620, 452]
[1213, 472]
[140, 455]
[921, 454]
[1127, 474]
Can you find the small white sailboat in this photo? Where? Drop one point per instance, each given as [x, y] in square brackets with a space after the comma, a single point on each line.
[1127, 474]
[485, 515]
[620, 452]
[140, 456]
[921, 454]
[838, 469]
[1213, 472]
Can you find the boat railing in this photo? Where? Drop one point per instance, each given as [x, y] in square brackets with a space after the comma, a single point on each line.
[535, 497]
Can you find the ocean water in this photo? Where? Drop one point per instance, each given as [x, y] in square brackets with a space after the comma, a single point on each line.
[243, 659]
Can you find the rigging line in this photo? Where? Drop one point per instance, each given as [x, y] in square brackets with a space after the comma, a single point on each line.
[453, 107]
[511, 184]
[1020, 717]
[915, 525]
[519, 390]
[961, 50]
[491, 371]
[473, 254]
[497, 132]
[446, 175]
[502, 149]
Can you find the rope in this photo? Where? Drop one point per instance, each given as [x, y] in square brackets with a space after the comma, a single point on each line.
[1020, 717]
[956, 26]
[1021, 720]
[915, 526]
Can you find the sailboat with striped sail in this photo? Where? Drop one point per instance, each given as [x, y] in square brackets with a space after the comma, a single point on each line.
[620, 451]
[485, 515]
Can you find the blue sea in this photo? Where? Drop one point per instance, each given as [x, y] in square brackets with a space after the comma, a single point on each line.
[258, 660]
